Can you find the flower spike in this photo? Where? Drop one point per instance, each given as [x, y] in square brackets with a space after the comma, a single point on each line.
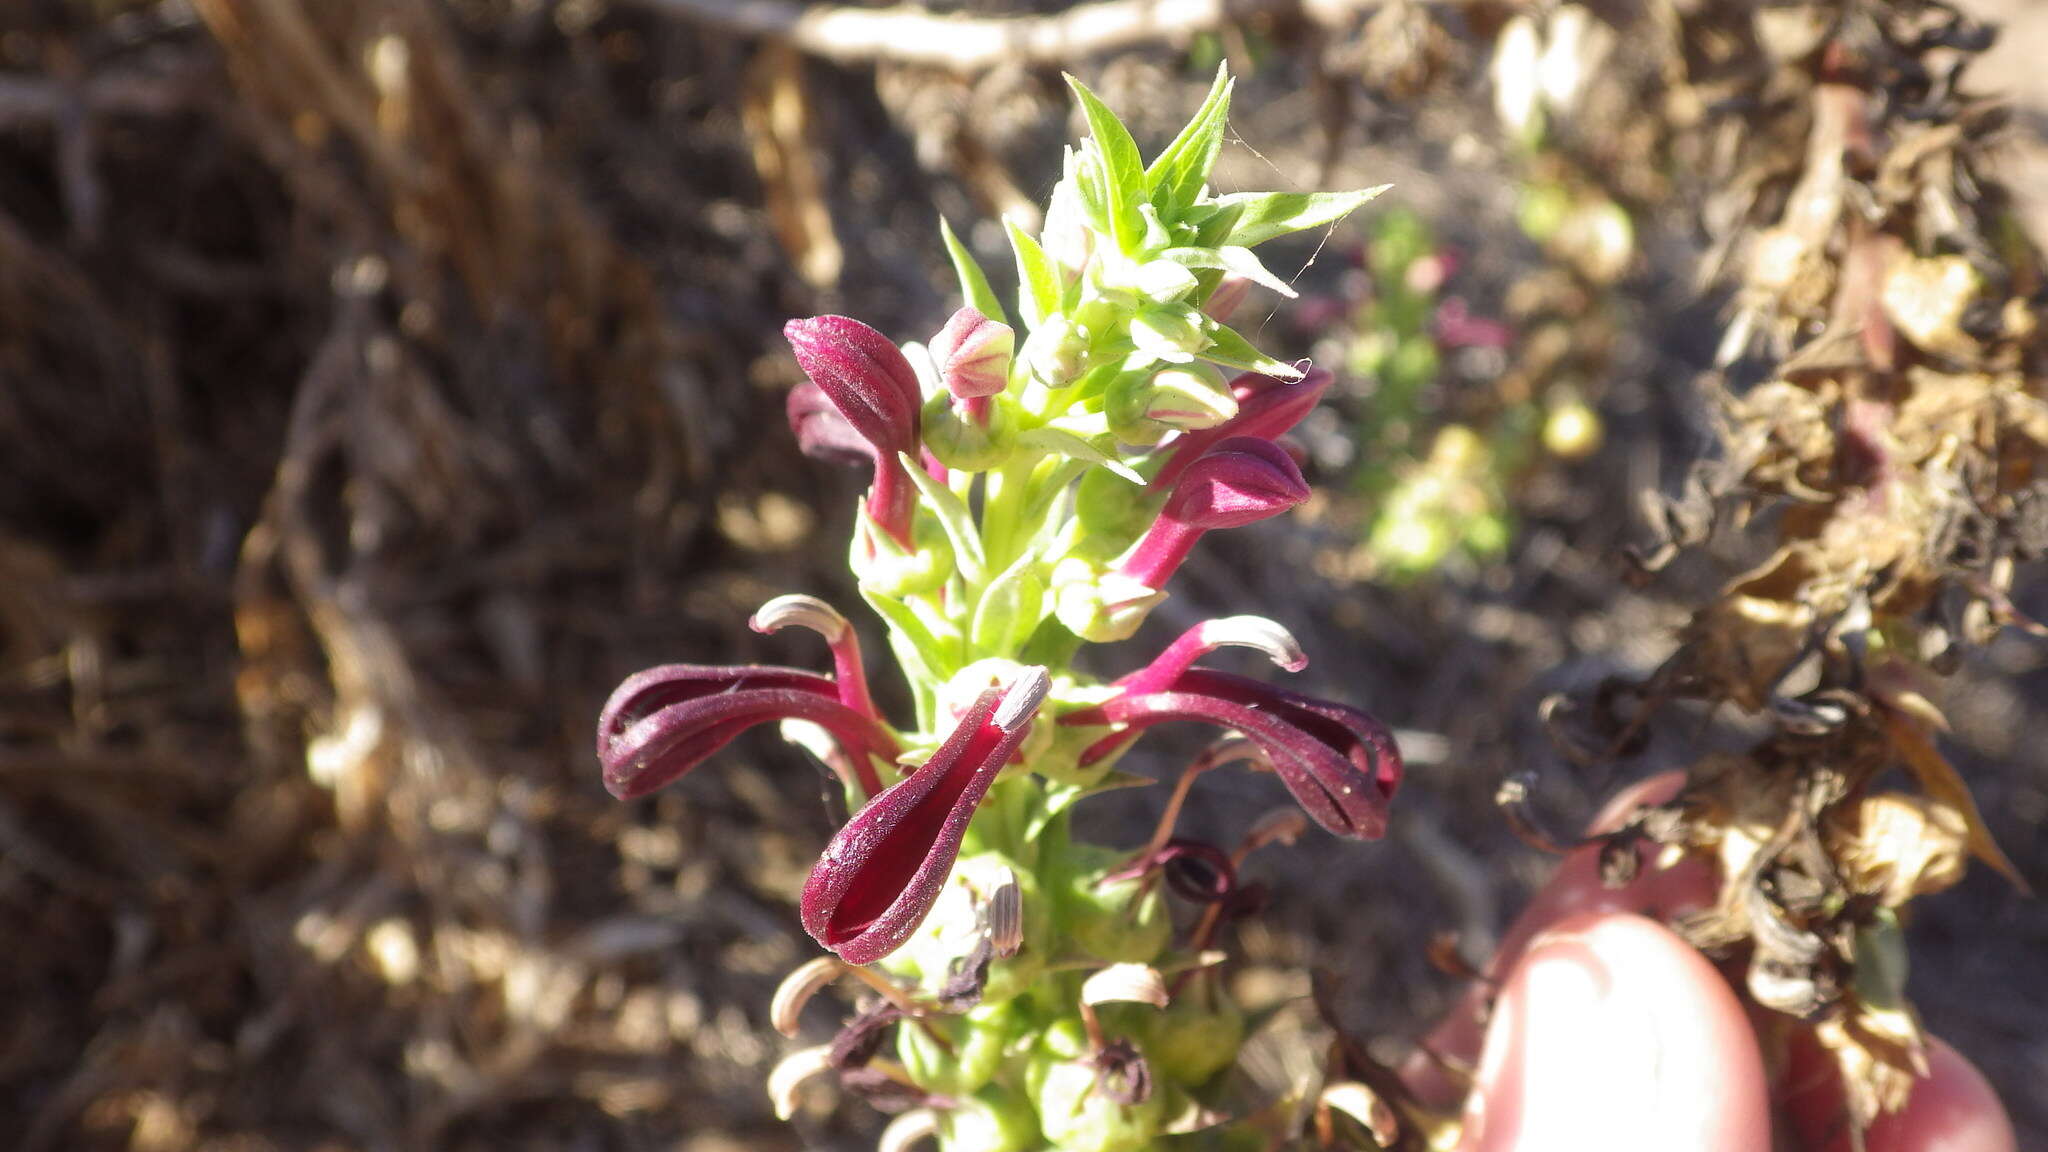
[873, 386]
[1241, 481]
[665, 721]
[883, 870]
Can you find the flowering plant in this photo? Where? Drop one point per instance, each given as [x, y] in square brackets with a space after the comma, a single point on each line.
[1027, 498]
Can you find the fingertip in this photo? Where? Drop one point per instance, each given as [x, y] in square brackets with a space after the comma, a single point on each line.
[1613, 1032]
[1952, 1109]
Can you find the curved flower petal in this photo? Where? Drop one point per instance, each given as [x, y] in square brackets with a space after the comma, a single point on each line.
[822, 433]
[1341, 765]
[879, 876]
[665, 721]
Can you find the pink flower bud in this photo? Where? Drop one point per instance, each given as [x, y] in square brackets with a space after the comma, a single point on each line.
[973, 355]
[1241, 481]
[867, 378]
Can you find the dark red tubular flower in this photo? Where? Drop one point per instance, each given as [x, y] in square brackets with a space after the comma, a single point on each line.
[1267, 407]
[1341, 764]
[821, 432]
[867, 378]
[1241, 481]
[665, 721]
[881, 874]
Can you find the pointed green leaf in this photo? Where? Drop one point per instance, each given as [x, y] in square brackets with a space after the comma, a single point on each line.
[1264, 215]
[1011, 607]
[974, 287]
[1231, 258]
[1178, 173]
[1234, 351]
[1038, 286]
[923, 655]
[1123, 173]
[1076, 447]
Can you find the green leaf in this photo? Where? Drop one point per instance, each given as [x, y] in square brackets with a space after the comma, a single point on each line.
[924, 656]
[1264, 215]
[974, 287]
[1178, 173]
[1011, 608]
[1234, 351]
[1038, 285]
[1231, 258]
[953, 517]
[1123, 173]
[1075, 447]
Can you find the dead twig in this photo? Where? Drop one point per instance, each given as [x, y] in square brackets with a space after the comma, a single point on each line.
[911, 35]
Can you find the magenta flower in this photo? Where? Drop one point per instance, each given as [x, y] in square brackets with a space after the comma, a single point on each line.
[868, 380]
[1240, 481]
[665, 721]
[1266, 408]
[881, 874]
[821, 432]
[1457, 327]
[1341, 764]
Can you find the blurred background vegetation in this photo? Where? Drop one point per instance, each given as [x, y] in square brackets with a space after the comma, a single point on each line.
[381, 380]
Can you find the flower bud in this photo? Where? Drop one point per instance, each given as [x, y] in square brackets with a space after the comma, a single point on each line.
[971, 435]
[1120, 921]
[1163, 281]
[1079, 1113]
[1113, 511]
[1168, 333]
[1055, 353]
[1100, 607]
[1066, 236]
[972, 353]
[882, 565]
[1240, 481]
[1178, 399]
[977, 1039]
[1267, 407]
[995, 1119]
[873, 386]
